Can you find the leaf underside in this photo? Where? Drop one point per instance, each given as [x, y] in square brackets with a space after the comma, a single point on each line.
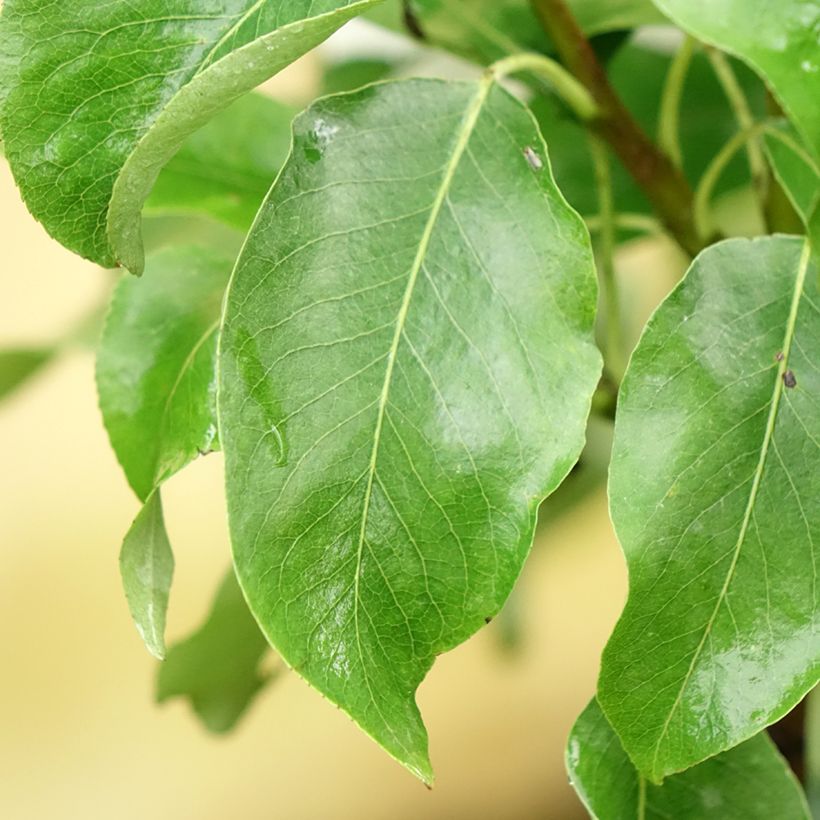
[749, 782]
[714, 488]
[96, 97]
[406, 367]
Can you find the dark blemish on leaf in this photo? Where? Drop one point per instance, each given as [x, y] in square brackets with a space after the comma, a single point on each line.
[778, 357]
[789, 379]
[533, 159]
[488, 619]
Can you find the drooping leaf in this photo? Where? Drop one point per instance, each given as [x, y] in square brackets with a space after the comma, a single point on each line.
[147, 568]
[155, 365]
[714, 489]
[19, 365]
[749, 782]
[225, 169]
[217, 667]
[406, 365]
[778, 40]
[96, 97]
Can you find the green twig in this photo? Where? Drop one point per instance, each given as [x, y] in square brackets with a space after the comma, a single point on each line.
[669, 122]
[560, 80]
[706, 186]
[744, 117]
[664, 184]
[613, 340]
[628, 222]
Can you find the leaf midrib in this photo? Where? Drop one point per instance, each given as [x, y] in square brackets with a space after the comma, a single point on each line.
[471, 116]
[777, 393]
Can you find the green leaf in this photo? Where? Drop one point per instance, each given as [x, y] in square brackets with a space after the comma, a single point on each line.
[714, 489]
[352, 74]
[487, 30]
[217, 668]
[795, 169]
[601, 16]
[778, 40]
[749, 782]
[155, 365]
[147, 567]
[19, 365]
[225, 169]
[406, 366]
[97, 97]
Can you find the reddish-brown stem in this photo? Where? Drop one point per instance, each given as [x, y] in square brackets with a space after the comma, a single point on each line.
[664, 185]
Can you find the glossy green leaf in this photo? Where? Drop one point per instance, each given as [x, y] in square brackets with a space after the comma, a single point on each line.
[779, 40]
[19, 365]
[714, 489]
[406, 366]
[225, 169]
[147, 568]
[217, 668]
[749, 782]
[155, 364]
[96, 97]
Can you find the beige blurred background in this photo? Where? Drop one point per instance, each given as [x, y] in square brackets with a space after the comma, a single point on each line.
[80, 736]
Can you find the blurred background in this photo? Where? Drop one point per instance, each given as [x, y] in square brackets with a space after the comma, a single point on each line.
[80, 734]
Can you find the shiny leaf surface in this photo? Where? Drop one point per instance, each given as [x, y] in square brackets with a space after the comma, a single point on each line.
[406, 366]
[96, 97]
[779, 40]
[155, 365]
[147, 568]
[217, 668]
[225, 169]
[749, 782]
[714, 489]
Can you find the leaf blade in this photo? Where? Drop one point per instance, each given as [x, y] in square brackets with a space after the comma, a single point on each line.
[88, 120]
[217, 667]
[147, 568]
[156, 364]
[373, 480]
[751, 781]
[781, 46]
[711, 520]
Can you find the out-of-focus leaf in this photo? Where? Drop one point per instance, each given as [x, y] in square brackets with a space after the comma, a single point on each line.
[96, 97]
[714, 492]
[353, 74]
[17, 366]
[225, 169]
[406, 367]
[155, 365]
[779, 40]
[217, 668]
[749, 782]
[147, 568]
